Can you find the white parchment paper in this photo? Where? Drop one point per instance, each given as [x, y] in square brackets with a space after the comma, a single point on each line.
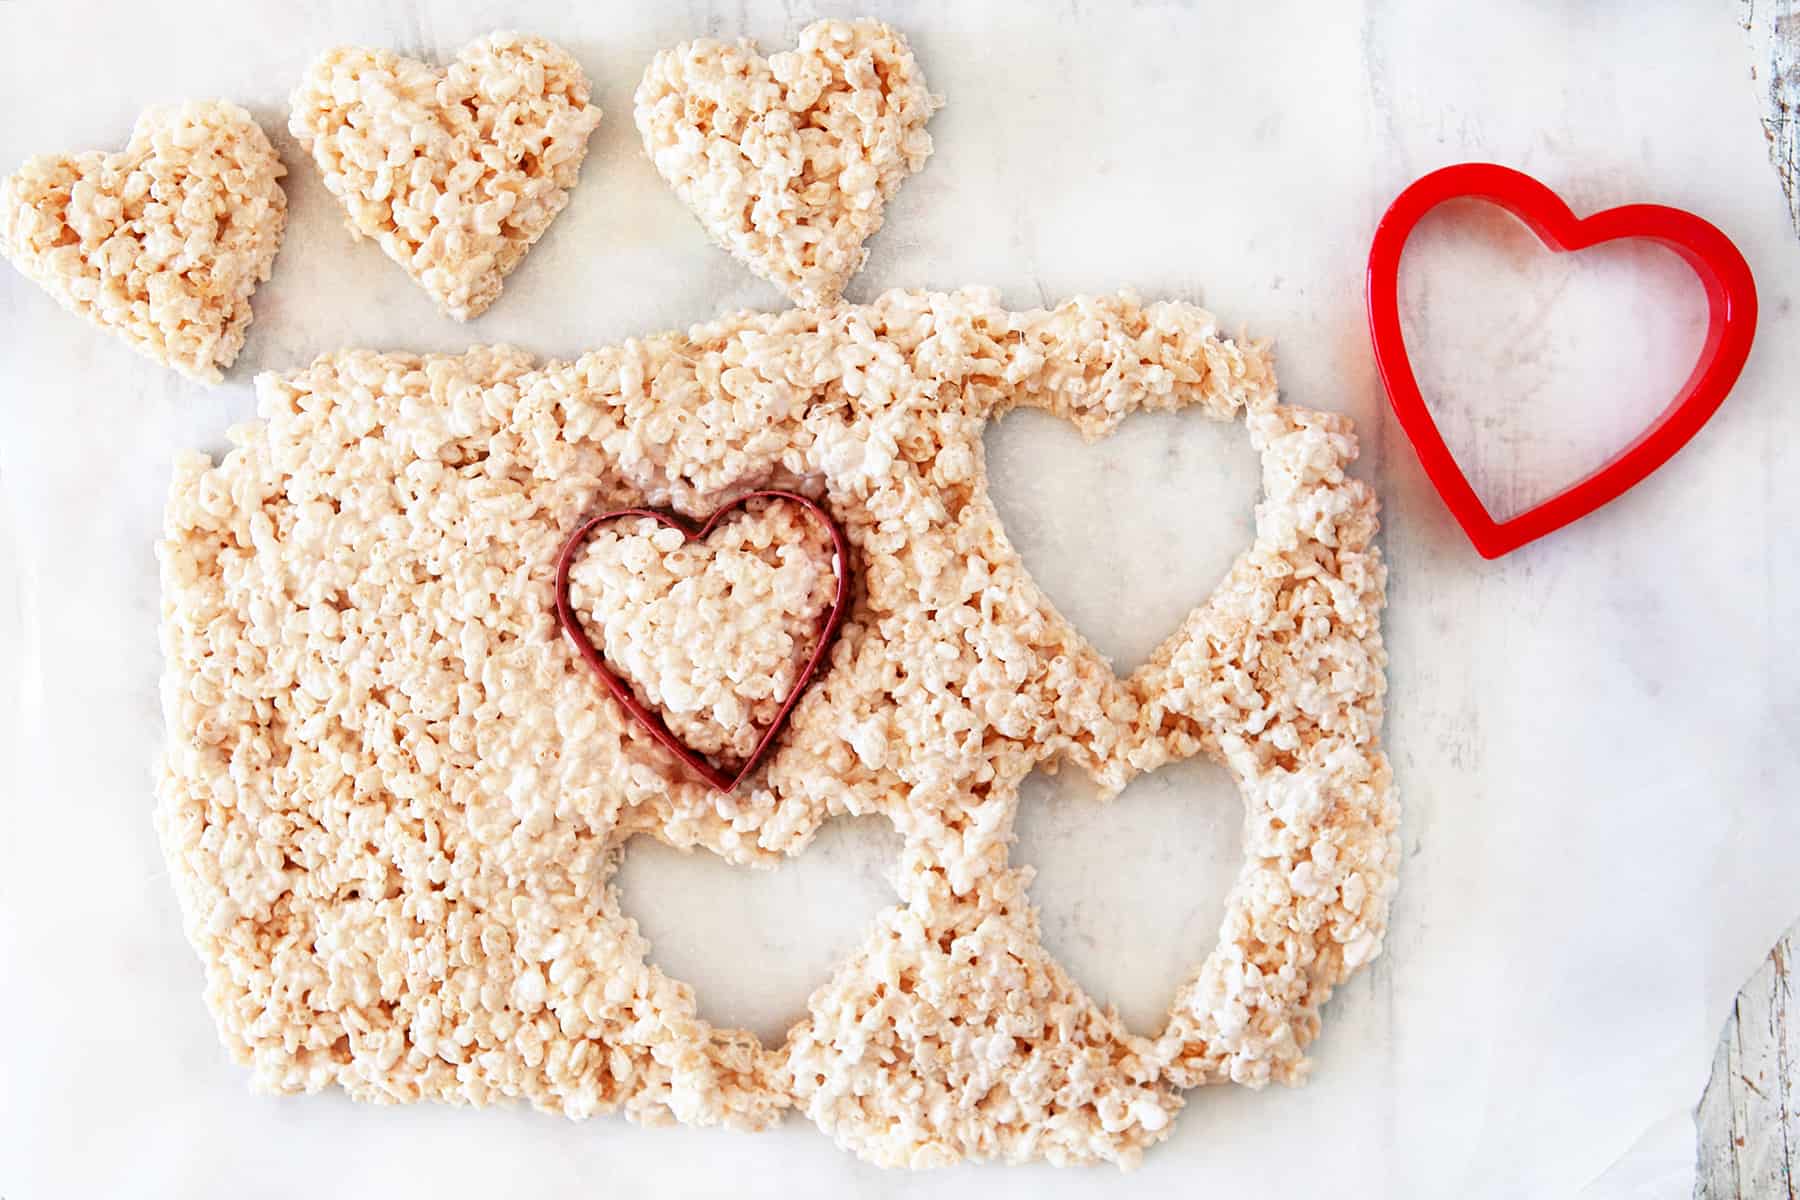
[1595, 737]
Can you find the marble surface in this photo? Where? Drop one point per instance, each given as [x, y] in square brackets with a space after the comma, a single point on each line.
[1593, 737]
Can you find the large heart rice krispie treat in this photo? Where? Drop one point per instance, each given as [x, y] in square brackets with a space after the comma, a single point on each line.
[788, 161]
[394, 798]
[455, 171]
[710, 635]
[161, 244]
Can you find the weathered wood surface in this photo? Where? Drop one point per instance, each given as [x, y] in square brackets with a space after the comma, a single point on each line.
[1749, 1118]
[1774, 30]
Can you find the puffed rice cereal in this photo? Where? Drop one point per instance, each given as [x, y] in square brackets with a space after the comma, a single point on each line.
[455, 171]
[788, 161]
[393, 797]
[161, 244]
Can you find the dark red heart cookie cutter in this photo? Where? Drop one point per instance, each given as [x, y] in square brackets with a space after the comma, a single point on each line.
[621, 691]
[1731, 304]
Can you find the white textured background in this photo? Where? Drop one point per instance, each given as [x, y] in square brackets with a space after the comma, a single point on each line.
[1595, 737]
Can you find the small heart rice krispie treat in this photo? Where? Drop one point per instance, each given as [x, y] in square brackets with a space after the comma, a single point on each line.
[454, 170]
[788, 160]
[162, 243]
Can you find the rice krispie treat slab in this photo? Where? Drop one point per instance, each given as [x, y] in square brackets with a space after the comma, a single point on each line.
[788, 161]
[393, 797]
[162, 243]
[457, 170]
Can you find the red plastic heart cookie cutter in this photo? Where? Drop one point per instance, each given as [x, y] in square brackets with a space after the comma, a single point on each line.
[1731, 304]
[621, 691]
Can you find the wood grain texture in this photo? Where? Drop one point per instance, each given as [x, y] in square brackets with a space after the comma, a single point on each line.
[1774, 30]
[1749, 1118]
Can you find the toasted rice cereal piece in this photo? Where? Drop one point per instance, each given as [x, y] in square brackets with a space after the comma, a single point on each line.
[393, 798]
[161, 244]
[454, 170]
[711, 636]
[788, 161]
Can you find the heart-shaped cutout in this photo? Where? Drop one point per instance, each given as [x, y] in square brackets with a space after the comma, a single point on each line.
[455, 171]
[708, 654]
[1731, 304]
[1090, 518]
[788, 161]
[1126, 936]
[162, 243]
[753, 942]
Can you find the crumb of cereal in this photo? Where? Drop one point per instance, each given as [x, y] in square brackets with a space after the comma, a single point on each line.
[456, 170]
[712, 636]
[788, 161]
[393, 801]
[161, 244]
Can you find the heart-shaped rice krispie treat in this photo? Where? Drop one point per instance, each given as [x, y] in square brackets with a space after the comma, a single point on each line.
[713, 634]
[456, 170]
[788, 161]
[161, 244]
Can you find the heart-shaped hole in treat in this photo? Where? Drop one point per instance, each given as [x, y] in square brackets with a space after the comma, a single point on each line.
[1092, 520]
[787, 926]
[1125, 935]
[707, 634]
